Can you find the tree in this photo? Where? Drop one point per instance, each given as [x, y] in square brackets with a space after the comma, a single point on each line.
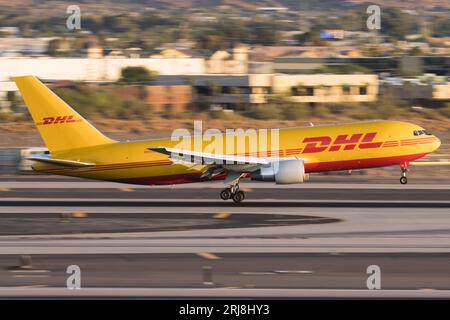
[58, 47]
[312, 36]
[416, 51]
[13, 100]
[398, 24]
[139, 74]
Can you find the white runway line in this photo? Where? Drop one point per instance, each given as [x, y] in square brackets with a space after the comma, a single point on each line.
[29, 271]
[222, 292]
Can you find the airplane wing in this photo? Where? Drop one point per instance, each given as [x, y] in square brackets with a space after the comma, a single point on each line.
[209, 158]
[61, 162]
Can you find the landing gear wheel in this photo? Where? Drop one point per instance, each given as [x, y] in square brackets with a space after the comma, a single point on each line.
[403, 180]
[238, 197]
[225, 194]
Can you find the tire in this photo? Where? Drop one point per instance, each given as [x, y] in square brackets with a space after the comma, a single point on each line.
[403, 180]
[225, 194]
[238, 197]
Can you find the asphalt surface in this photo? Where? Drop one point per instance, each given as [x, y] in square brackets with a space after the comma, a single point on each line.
[232, 270]
[59, 223]
[309, 240]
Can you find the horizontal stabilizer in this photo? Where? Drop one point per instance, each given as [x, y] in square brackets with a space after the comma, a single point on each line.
[61, 162]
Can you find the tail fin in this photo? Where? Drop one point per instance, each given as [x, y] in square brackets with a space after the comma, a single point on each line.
[61, 127]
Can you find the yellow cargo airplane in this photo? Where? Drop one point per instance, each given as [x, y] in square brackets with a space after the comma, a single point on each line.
[78, 149]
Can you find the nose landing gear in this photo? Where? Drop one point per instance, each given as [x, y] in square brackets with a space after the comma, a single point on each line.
[403, 180]
[404, 167]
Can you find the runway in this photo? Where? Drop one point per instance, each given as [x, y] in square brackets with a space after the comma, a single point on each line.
[234, 270]
[280, 242]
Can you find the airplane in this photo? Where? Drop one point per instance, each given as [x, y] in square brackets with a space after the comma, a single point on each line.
[76, 148]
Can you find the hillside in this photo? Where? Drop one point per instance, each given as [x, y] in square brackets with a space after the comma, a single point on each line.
[249, 5]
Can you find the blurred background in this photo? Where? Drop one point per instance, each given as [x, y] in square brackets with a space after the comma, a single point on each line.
[138, 69]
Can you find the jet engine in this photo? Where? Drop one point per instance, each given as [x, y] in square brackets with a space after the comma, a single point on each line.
[287, 171]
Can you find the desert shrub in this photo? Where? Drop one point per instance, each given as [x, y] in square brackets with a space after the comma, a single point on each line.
[103, 102]
[320, 110]
[445, 111]
[266, 112]
[295, 112]
[220, 114]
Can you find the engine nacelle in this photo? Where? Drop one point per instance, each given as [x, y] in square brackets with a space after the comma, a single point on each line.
[287, 171]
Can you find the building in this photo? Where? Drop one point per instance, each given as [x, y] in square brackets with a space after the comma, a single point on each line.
[311, 65]
[439, 65]
[97, 70]
[15, 46]
[177, 98]
[234, 91]
[224, 62]
[327, 88]
[243, 91]
[301, 64]
[159, 98]
[417, 90]
[5, 87]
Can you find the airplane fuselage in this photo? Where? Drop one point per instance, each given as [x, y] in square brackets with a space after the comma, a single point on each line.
[323, 148]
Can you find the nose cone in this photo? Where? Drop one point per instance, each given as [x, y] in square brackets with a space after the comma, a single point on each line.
[437, 143]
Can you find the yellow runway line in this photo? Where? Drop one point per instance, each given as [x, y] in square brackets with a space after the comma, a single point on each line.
[74, 214]
[4, 189]
[426, 289]
[126, 189]
[207, 255]
[221, 215]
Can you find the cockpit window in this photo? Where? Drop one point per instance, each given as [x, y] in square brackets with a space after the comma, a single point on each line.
[422, 132]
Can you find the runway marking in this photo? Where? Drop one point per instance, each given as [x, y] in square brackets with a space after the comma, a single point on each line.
[29, 271]
[31, 276]
[126, 189]
[299, 219]
[221, 215]
[78, 214]
[207, 255]
[427, 289]
[294, 271]
[257, 273]
[32, 286]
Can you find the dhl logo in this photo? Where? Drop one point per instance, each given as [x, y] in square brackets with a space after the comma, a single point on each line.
[342, 142]
[57, 120]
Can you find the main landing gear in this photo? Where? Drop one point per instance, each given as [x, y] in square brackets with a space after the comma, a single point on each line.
[403, 179]
[234, 193]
